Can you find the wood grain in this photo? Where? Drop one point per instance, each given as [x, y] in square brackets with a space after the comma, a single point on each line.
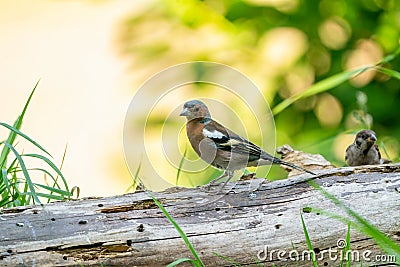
[253, 215]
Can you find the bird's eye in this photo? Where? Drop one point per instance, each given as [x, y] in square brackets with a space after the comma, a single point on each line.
[196, 109]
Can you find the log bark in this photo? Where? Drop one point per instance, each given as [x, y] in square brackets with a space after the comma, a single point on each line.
[250, 224]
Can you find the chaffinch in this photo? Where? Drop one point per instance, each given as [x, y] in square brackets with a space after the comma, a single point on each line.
[220, 147]
[364, 150]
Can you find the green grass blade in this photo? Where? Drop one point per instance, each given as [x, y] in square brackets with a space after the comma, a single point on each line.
[319, 87]
[297, 258]
[51, 196]
[348, 245]
[8, 191]
[179, 261]
[54, 190]
[390, 57]
[25, 172]
[51, 164]
[389, 72]
[3, 155]
[56, 179]
[178, 228]
[4, 180]
[336, 80]
[13, 166]
[180, 166]
[18, 122]
[346, 249]
[135, 179]
[383, 147]
[61, 166]
[381, 239]
[308, 240]
[46, 172]
[40, 170]
[330, 215]
[231, 262]
[17, 125]
[18, 132]
[25, 199]
[5, 201]
[3, 188]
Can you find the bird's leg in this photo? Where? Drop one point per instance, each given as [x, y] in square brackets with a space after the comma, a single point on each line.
[230, 175]
[207, 186]
[219, 178]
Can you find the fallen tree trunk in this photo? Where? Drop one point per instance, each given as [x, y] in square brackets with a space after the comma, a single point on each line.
[255, 222]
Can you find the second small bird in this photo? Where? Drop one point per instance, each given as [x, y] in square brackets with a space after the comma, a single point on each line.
[221, 147]
[364, 150]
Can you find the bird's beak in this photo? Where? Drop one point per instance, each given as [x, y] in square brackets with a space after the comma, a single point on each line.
[184, 112]
[371, 138]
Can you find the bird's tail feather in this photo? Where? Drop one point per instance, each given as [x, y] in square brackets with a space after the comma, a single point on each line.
[279, 161]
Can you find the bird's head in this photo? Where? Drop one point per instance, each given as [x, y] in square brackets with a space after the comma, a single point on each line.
[365, 139]
[194, 109]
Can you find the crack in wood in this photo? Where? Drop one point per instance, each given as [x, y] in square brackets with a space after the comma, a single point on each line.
[138, 205]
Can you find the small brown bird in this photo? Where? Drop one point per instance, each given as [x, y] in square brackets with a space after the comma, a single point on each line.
[221, 147]
[364, 151]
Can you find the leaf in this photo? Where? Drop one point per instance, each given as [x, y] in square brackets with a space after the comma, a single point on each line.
[390, 57]
[54, 190]
[308, 240]
[5, 201]
[383, 241]
[52, 165]
[179, 261]
[135, 179]
[17, 125]
[319, 87]
[4, 180]
[389, 72]
[180, 166]
[50, 196]
[231, 261]
[348, 243]
[16, 131]
[178, 228]
[25, 171]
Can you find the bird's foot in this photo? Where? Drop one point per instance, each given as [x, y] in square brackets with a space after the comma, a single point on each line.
[248, 176]
[205, 188]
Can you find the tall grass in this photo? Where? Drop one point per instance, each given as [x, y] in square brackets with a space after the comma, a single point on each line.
[17, 188]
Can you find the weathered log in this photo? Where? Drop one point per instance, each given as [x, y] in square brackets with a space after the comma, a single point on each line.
[247, 225]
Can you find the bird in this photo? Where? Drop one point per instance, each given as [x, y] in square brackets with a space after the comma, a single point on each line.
[364, 150]
[220, 146]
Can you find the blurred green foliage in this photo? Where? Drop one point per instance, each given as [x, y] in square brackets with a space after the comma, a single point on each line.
[285, 46]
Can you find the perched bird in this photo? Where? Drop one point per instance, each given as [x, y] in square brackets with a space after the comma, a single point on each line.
[364, 151]
[221, 147]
